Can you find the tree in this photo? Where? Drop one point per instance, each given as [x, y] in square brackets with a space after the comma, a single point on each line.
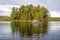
[29, 12]
[15, 15]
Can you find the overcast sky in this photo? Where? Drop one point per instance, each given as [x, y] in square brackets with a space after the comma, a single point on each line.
[52, 5]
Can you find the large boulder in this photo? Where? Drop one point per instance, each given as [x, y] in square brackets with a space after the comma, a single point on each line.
[35, 22]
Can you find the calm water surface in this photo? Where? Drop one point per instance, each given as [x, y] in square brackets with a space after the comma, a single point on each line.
[25, 31]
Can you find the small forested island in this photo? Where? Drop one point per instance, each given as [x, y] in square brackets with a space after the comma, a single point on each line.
[28, 13]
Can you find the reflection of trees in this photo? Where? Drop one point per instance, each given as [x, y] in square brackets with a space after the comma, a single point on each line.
[44, 27]
[15, 25]
[15, 28]
[27, 30]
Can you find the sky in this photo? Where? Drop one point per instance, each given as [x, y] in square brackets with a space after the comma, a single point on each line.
[52, 5]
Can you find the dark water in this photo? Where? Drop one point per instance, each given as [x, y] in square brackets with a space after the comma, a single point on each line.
[27, 31]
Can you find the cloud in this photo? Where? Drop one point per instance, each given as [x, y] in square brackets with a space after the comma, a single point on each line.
[5, 10]
[54, 14]
[4, 14]
[52, 5]
[19, 2]
[49, 4]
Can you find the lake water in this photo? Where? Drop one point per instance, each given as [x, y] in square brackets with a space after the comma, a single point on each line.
[26, 31]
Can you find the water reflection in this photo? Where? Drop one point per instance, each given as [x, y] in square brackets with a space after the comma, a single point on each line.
[5, 31]
[26, 31]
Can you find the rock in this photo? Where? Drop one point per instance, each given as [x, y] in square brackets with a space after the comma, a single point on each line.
[35, 22]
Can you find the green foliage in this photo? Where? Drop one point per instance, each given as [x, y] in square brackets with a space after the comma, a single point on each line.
[29, 12]
[54, 19]
[4, 18]
[15, 14]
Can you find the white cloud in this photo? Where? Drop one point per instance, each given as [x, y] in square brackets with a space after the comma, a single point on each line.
[52, 5]
[54, 14]
[7, 7]
[5, 10]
